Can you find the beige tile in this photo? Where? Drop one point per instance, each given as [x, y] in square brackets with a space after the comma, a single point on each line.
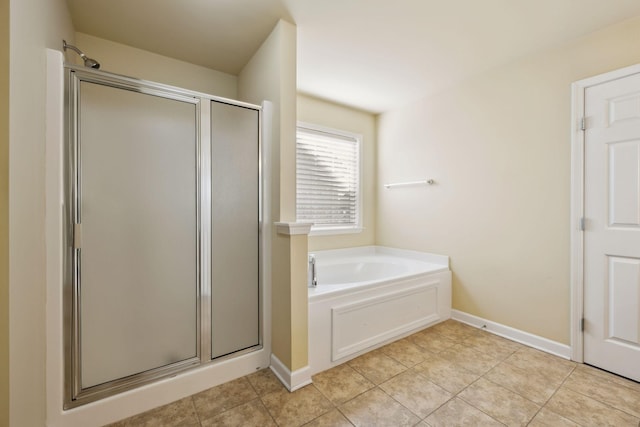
[431, 341]
[179, 413]
[405, 352]
[331, 419]
[470, 359]
[298, 407]
[459, 413]
[492, 345]
[341, 383]
[445, 373]
[416, 393]
[454, 330]
[249, 414]
[265, 381]
[603, 390]
[608, 376]
[498, 402]
[533, 360]
[587, 411]
[548, 418]
[375, 408]
[532, 385]
[417, 377]
[376, 366]
[216, 400]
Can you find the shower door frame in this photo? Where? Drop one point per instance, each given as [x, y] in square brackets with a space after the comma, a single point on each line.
[74, 395]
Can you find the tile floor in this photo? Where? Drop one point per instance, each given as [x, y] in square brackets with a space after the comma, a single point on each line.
[448, 375]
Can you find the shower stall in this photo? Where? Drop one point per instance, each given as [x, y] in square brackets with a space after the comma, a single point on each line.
[162, 229]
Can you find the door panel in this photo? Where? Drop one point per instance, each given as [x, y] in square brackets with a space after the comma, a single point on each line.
[612, 235]
[138, 283]
[235, 230]
[624, 207]
[624, 294]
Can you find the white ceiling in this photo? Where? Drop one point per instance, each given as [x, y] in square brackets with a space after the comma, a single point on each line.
[375, 55]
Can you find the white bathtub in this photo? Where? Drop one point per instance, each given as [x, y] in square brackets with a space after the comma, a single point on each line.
[369, 296]
[365, 266]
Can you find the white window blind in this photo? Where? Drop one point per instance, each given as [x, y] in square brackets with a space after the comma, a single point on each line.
[328, 179]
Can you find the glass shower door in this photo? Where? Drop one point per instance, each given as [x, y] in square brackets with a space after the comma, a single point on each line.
[235, 233]
[136, 272]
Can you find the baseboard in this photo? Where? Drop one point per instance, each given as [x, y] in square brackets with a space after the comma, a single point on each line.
[531, 340]
[291, 380]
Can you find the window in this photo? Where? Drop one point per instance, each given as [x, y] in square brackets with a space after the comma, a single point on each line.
[328, 180]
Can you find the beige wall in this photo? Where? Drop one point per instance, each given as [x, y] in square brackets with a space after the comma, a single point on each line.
[271, 75]
[498, 147]
[4, 213]
[129, 61]
[324, 113]
[290, 308]
[299, 302]
[281, 299]
[34, 26]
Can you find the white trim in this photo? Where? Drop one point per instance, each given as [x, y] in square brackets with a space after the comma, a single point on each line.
[265, 224]
[577, 201]
[577, 211]
[293, 228]
[54, 200]
[329, 130]
[526, 338]
[332, 231]
[291, 380]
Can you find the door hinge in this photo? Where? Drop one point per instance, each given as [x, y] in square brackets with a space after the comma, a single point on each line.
[583, 123]
[77, 236]
[582, 325]
[582, 224]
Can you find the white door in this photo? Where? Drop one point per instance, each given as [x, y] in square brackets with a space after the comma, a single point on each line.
[612, 226]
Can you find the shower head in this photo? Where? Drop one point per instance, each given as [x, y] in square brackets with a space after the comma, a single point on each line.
[88, 62]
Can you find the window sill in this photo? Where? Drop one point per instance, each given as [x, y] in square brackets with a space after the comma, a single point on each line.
[334, 231]
[292, 228]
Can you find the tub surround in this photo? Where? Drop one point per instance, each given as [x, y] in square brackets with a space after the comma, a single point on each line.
[412, 291]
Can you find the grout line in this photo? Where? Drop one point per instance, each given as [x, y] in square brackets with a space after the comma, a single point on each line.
[268, 411]
[260, 399]
[193, 404]
[473, 406]
[605, 373]
[453, 395]
[598, 400]
[551, 397]
[333, 406]
[458, 339]
[345, 416]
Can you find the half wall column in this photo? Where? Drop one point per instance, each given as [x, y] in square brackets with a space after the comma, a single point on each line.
[290, 326]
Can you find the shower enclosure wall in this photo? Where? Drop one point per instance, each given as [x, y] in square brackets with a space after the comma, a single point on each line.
[162, 232]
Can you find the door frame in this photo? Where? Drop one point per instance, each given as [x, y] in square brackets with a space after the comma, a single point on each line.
[577, 201]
